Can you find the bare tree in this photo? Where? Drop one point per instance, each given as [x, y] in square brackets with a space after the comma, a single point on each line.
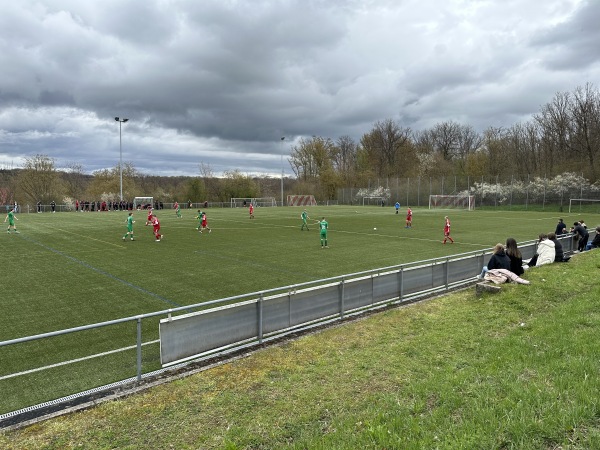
[39, 180]
[345, 158]
[585, 133]
[468, 141]
[385, 145]
[554, 120]
[311, 157]
[75, 180]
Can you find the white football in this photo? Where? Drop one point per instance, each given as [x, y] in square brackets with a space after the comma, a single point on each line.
[375, 228]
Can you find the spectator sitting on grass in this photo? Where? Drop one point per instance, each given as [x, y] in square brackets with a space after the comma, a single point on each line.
[595, 242]
[498, 260]
[514, 254]
[558, 249]
[545, 253]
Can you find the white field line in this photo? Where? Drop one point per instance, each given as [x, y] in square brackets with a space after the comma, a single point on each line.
[90, 238]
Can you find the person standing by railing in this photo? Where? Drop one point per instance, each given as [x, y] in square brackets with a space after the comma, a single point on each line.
[583, 235]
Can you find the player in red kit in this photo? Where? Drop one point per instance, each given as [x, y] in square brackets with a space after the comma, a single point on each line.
[156, 228]
[149, 218]
[408, 218]
[251, 210]
[204, 223]
[447, 231]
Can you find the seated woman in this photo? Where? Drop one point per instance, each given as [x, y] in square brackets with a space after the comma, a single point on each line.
[558, 249]
[498, 260]
[545, 253]
[514, 254]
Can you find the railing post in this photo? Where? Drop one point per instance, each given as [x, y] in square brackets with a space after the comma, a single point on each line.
[342, 306]
[290, 292]
[372, 288]
[259, 305]
[400, 284]
[446, 272]
[139, 349]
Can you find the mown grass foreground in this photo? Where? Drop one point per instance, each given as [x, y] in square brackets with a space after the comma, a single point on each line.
[517, 369]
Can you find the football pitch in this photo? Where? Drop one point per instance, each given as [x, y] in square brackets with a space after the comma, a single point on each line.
[71, 269]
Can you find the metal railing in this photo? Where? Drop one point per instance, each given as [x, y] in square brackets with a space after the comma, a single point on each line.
[199, 331]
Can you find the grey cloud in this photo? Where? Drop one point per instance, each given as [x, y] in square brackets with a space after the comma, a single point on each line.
[220, 81]
[573, 43]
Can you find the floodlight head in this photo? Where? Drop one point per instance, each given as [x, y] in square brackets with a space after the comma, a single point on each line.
[283, 138]
[124, 120]
[117, 119]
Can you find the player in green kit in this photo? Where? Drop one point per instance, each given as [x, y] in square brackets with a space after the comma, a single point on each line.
[323, 227]
[130, 223]
[304, 217]
[11, 221]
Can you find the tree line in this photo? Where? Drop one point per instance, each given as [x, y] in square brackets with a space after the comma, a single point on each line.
[564, 136]
[40, 181]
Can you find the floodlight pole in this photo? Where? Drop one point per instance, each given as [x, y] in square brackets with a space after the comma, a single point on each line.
[121, 120]
[282, 139]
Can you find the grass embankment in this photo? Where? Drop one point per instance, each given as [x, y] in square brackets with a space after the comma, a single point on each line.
[514, 370]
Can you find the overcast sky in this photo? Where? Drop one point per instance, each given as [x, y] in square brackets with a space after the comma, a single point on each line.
[219, 82]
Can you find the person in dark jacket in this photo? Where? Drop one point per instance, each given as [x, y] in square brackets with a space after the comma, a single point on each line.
[560, 254]
[498, 260]
[561, 227]
[583, 235]
[595, 242]
[515, 256]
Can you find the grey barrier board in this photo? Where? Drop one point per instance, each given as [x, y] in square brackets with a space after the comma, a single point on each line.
[438, 275]
[385, 287]
[464, 268]
[417, 279]
[527, 251]
[357, 293]
[191, 334]
[310, 305]
[277, 313]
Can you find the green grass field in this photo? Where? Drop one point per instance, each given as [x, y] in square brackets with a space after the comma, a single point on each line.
[71, 269]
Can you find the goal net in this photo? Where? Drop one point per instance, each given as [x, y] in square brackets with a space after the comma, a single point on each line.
[143, 202]
[588, 205]
[452, 201]
[366, 201]
[244, 202]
